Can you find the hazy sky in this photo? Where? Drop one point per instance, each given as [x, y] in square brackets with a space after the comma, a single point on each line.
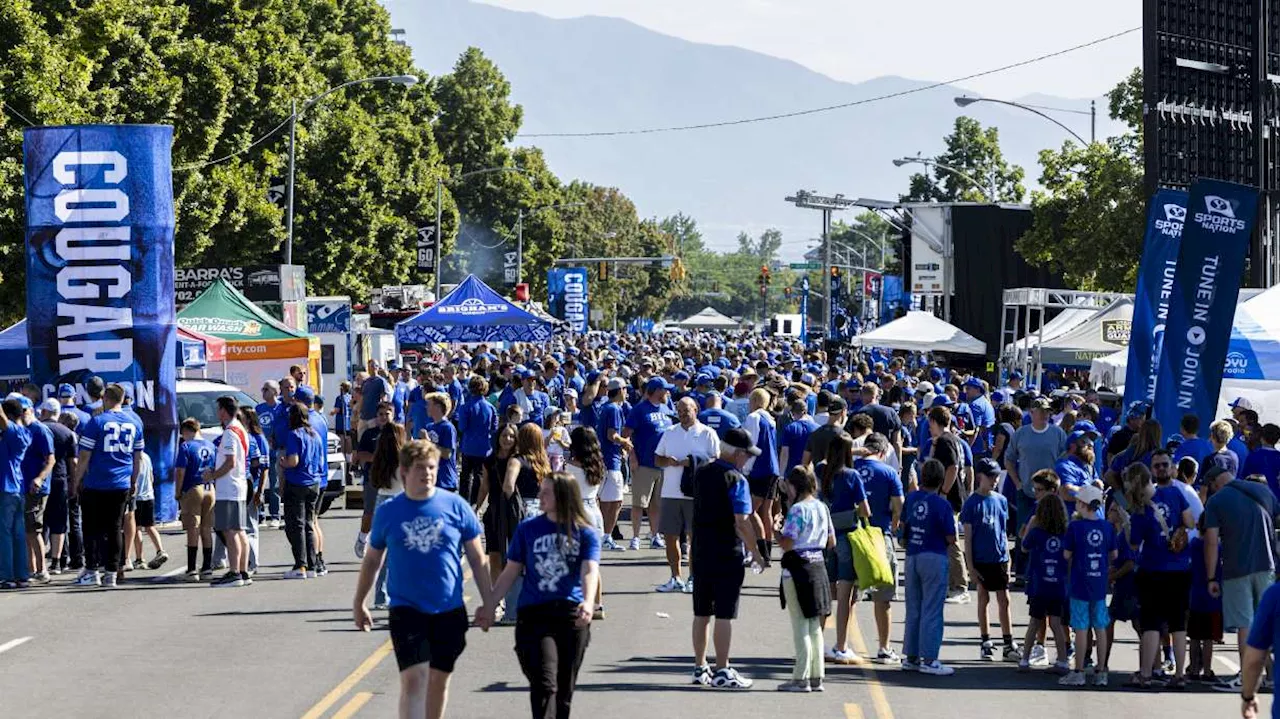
[919, 39]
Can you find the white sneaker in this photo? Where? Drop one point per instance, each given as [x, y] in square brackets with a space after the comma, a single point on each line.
[702, 675]
[887, 655]
[611, 546]
[1073, 679]
[729, 678]
[673, 585]
[688, 586]
[936, 668]
[295, 574]
[657, 542]
[1039, 657]
[843, 656]
[960, 597]
[361, 545]
[88, 578]
[635, 544]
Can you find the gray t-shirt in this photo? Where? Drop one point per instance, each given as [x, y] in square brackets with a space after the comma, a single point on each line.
[1244, 514]
[1031, 451]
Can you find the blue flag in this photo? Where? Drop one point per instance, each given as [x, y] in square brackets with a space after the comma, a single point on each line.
[1165, 216]
[567, 296]
[100, 279]
[804, 310]
[1220, 218]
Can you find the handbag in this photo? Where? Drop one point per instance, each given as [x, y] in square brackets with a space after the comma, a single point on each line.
[869, 560]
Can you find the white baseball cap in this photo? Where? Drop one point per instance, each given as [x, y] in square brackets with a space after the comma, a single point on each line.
[1241, 403]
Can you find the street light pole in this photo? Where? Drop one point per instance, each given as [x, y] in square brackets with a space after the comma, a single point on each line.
[405, 80]
[965, 101]
[927, 162]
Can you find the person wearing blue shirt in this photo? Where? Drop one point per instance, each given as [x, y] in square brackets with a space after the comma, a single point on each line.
[14, 439]
[794, 436]
[453, 387]
[1090, 547]
[195, 501]
[762, 471]
[1265, 460]
[37, 466]
[267, 413]
[1192, 444]
[477, 423]
[614, 446]
[645, 425]
[417, 405]
[421, 535]
[1264, 636]
[373, 391]
[883, 487]
[106, 473]
[930, 530]
[444, 436]
[982, 415]
[303, 459]
[716, 417]
[1044, 544]
[1076, 468]
[985, 517]
[558, 555]
[400, 390]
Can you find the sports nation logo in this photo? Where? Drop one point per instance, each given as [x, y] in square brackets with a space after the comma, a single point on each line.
[1175, 216]
[1219, 216]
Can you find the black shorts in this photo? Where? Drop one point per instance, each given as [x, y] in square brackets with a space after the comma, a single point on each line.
[1042, 607]
[1204, 626]
[717, 590]
[434, 639]
[993, 577]
[1163, 599]
[763, 487]
[145, 513]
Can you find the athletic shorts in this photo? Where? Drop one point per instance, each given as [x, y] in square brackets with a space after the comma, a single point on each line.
[1042, 607]
[718, 588]
[1089, 614]
[886, 593]
[1163, 599]
[228, 515]
[764, 487]
[676, 516]
[1241, 596]
[1205, 626]
[433, 639]
[993, 577]
[611, 489]
[33, 516]
[145, 513]
[646, 483]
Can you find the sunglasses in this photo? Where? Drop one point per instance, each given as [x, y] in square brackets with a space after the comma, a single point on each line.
[1158, 465]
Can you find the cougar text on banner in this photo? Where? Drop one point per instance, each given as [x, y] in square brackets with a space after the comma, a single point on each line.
[100, 281]
[1155, 292]
[567, 296]
[804, 309]
[1220, 217]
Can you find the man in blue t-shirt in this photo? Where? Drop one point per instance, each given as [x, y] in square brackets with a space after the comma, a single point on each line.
[614, 445]
[37, 468]
[111, 446]
[985, 517]
[14, 440]
[268, 412]
[1264, 636]
[645, 425]
[417, 415]
[883, 487]
[477, 423]
[373, 392]
[982, 414]
[421, 535]
[1076, 468]
[794, 436]
[444, 435]
[716, 417]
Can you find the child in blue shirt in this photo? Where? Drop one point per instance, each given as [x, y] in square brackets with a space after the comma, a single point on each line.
[985, 515]
[1204, 621]
[1090, 548]
[1124, 585]
[1044, 544]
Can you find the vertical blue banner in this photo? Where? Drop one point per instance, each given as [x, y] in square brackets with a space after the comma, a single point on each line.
[804, 310]
[567, 296]
[100, 279]
[1165, 216]
[1220, 218]
[837, 306]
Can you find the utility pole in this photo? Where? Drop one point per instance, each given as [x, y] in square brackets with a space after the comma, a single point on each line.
[827, 205]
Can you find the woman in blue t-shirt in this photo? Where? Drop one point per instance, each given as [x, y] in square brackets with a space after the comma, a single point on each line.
[930, 529]
[844, 492]
[557, 553]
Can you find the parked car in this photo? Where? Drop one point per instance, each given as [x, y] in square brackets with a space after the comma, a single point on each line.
[198, 398]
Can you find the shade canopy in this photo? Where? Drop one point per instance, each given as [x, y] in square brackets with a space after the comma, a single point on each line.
[15, 359]
[472, 313]
[709, 318]
[1102, 334]
[922, 332]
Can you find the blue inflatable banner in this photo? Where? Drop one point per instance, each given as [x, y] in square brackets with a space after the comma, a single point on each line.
[1220, 218]
[804, 310]
[1165, 216]
[837, 307]
[567, 297]
[100, 277]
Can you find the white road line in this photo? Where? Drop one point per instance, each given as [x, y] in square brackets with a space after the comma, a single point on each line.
[15, 643]
[1235, 668]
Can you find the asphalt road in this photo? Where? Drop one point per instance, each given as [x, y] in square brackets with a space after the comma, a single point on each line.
[158, 646]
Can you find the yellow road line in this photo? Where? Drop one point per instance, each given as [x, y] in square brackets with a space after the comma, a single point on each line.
[878, 698]
[354, 705]
[347, 684]
[852, 711]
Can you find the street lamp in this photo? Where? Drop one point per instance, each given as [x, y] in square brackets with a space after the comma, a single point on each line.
[403, 80]
[991, 193]
[520, 233]
[435, 269]
[965, 101]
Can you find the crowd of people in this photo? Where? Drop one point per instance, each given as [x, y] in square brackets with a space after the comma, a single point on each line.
[735, 452]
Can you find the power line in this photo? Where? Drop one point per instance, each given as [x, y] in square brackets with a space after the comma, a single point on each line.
[841, 106]
[14, 110]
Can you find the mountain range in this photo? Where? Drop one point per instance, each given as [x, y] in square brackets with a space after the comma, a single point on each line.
[594, 74]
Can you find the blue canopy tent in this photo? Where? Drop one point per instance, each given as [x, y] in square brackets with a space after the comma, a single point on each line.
[15, 361]
[1254, 351]
[472, 313]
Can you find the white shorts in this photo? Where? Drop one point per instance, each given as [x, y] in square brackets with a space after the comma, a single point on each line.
[611, 489]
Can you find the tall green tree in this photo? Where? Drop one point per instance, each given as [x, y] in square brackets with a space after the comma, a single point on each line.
[1088, 220]
[978, 169]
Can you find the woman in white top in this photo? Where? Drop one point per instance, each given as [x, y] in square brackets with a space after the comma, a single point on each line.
[556, 437]
[585, 463]
[384, 475]
[805, 534]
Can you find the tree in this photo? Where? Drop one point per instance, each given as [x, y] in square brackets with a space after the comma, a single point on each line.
[1088, 220]
[975, 152]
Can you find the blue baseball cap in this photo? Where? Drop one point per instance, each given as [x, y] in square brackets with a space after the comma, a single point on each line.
[304, 394]
[681, 375]
[936, 374]
[593, 375]
[975, 383]
[66, 390]
[21, 399]
[941, 400]
[657, 383]
[1016, 374]
[998, 397]
[1087, 427]
[853, 384]
[1136, 409]
[702, 380]
[1077, 435]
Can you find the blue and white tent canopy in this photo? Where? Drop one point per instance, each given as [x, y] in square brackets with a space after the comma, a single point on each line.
[1254, 351]
[15, 361]
[473, 313]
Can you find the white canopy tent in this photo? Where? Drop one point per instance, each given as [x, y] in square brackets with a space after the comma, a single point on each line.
[1064, 322]
[922, 332]
[708, 319]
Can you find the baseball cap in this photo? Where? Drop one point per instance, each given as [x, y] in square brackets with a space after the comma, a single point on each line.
[1077, 435]
[304, 394]
[806, 378]
[1215, 471]
[593, 375]
[1016, 374]
[570, 392]
[681, 375]
[50, 406]
[941, 401]
[1089, 494]
[66, 390]
[657, 383]
[924, 388]
[1086, 427]
[1136, 409]
[988, 466]
[739, 439]
[1241, 403]
[998, 397]
[936, 374]
[975, 383]
[702, 380]
[616, 383]
[20, 398]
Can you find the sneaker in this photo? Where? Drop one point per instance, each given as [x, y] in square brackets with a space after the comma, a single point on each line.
[89, 578]
[108, 580]
[206, 573]
[843, 656]
[1168, 666]
[1011, 653]
[55, 570]
[7, 585]
[1039, 656]
[1208, 677]
[322, 569]
[886, 655]
[729, 678]
[815, 685]
[40, 578]
[799, 686]
[379, 606]
[158, 560]
[684, 551]
[598, 615]
[361, 545]
[1024, 665]
[1229, 684]
[230, 579]
[1072, 679]
[702, 675]
[688, 586]
[246, 580]
[138, 565]
[657, 543]
[611, 546]
[1100, 678]
[910, 665]
[635, 544]
[1061, 667]
[960, 596]
[673, 585]
[22, 584]
[221, 565]
[193, 575]
[936, 668]
[988, 652]
[296, 573]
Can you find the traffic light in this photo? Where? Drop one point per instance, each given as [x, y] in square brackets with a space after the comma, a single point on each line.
[764, 275]
[604, 271]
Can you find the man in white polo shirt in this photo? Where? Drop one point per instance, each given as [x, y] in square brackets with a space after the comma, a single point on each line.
[688, 444]
[230, 488]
